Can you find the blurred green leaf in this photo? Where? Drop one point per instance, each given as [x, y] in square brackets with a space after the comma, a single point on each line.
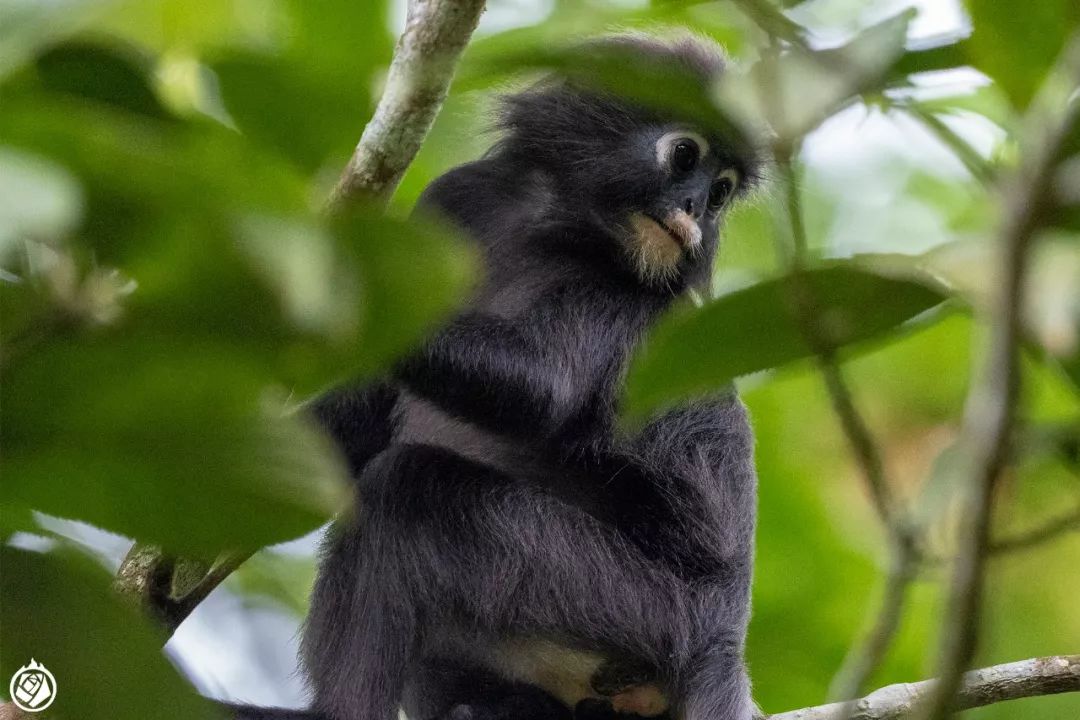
[110, 74]
[759, 328]
[939, 492]
[796, 91]
[1017, 48]
[59, 609]
[620, 69]
[38, 199]
[137, 170]
[344, 38]
[276, 578]
[309, 98]
[769, 18]
[931, 58]
[26, 26]
[986, 100]
[164, 441]
[192, 27]
[305, 117]
[310, 306]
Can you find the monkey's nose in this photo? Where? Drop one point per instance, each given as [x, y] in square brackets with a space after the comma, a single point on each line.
[692, 208]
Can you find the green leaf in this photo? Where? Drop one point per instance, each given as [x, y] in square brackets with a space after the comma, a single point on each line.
[946, 56]
[38, 199]
[758, 328]
[137, 170]
[796, 91]
[1016, 47]
[277, 579]
[109, 74]
[26, 26]
[59, 610]
[310, 306]
[621, 70]
[303, 115]
[415, 274]
[168, 442]
[940, 491]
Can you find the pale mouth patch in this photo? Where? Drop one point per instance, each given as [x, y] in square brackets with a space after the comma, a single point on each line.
[658, 246]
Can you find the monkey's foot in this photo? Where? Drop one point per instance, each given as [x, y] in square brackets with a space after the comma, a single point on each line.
[630, 689]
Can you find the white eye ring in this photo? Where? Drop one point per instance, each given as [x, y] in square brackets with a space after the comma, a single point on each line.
[732, 176]
[667, 140]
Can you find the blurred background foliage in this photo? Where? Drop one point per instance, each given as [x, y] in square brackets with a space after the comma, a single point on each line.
[172, 292]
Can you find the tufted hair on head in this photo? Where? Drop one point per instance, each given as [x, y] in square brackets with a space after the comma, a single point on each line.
[562, 116]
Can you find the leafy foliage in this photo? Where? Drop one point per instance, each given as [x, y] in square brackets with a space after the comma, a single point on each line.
[173, 292]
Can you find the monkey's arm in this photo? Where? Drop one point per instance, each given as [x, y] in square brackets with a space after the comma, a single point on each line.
[359, 419]
[525, 375]
[684, 490]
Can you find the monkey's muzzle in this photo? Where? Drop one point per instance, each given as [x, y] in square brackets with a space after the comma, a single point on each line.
[677, 225]
[683, 228]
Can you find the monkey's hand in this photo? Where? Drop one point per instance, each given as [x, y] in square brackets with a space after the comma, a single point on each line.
[631, 688]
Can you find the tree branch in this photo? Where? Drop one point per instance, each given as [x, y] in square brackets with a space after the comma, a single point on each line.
[167, 588]
[436, 33]
[1011, 681]
[1049, 530]
[990, 414]
[865, 656]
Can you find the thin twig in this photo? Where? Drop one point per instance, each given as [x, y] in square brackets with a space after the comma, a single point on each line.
[864, 657]
[862, 443]
[436, 33]
[975, 163]
[1047, 531]
[1000, 683]
[990, 414]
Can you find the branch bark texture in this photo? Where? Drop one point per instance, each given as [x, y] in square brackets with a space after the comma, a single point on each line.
[999, 683]
[990, 416]
[436, 33]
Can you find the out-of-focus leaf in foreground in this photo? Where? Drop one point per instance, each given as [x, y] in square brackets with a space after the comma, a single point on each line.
[795, 91]
[1016, 46]
[26, 26]
[38, 198]
[307, 99]
[167, 441]
[759, 328]
[614, 65]
[58, 609]
[109, 74]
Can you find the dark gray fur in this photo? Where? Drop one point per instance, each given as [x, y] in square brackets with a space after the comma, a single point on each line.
[496, 499]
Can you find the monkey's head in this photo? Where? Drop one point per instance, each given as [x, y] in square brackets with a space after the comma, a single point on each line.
[657, 187]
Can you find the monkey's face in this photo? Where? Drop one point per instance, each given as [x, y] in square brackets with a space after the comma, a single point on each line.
[669, 214]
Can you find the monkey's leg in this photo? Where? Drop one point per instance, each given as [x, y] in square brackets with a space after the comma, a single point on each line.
[361, 630]
[451, 689]
[467, 541]
[684, 493]
[693, 470]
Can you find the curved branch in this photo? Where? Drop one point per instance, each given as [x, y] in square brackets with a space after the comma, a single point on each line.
[999, 683]
[990, 415]
[167, 588]
[436, 32]
[1050, 530]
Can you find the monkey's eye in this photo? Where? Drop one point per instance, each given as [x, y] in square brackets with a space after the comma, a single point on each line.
[722, 189]
[684, 155]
